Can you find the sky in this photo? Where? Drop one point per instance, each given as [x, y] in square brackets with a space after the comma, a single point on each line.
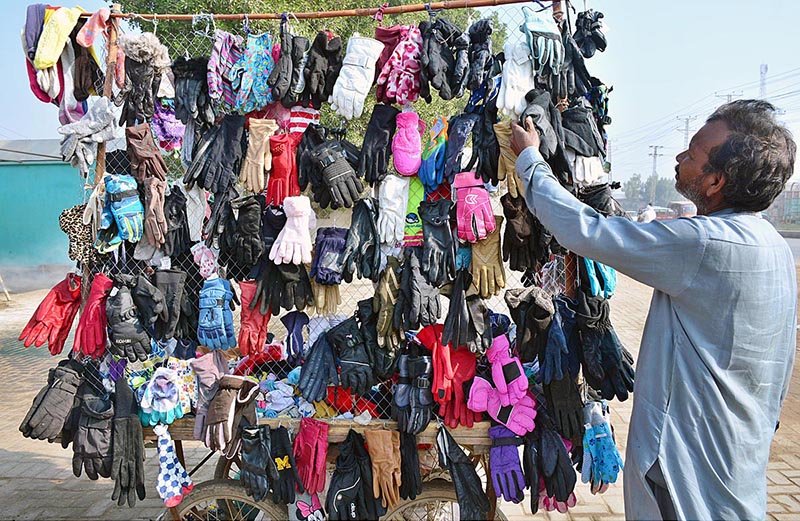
[665, 60]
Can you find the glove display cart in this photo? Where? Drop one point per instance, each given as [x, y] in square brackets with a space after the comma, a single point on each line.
[221, 238]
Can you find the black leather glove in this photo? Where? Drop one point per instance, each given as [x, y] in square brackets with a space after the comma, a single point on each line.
[459, 131]
[356, 372]
[381, 359]
[171, 284]
[362, 252]
[337, 174]
[485, 147]
[127, 337]
[376, 149]
[530, 467]
[410, 479]
[127, 467]
[401, 398]
[191, 91]
[518, 235]
[283, 488]
[480, 326]
[438, 249]
[566, 407]
[247, 242]
[418, 303]
[149, 301]
[297, 84]
[91, 445]
[456, 323]
[421, 372]
[53, 403]
[322, 68]
[256, 452]
[177, 237]
[372, 508]
[280, 78]
[319, 370]
[136, 97]
[345, 498]
[472, 499]
[480, 52]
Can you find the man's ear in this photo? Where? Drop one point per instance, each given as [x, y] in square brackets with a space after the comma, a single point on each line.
[713, 184]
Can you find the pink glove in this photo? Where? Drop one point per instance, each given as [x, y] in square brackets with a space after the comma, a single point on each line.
[401, 72]
[518, 417]
[293, 245]
[206, 259]
[507, 373]
[473, 208]
[549, 503]
[310, 453]
[407, 143]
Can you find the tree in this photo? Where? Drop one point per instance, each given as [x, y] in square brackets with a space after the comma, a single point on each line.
[648, 193]
[180, 38]
[633, 187]
[665, 191]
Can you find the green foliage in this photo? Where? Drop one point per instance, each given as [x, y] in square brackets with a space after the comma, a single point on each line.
[181, 38]
[633, 187]
[659, 191]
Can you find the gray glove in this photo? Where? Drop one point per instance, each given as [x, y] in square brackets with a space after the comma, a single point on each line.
[127, 468]
[92, 443]
[128, 339]
[50, 407]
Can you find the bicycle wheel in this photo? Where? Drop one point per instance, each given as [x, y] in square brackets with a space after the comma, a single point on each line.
[437, 501]
[219, 500]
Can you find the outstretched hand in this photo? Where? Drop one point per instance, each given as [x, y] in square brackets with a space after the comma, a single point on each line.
[522, 138]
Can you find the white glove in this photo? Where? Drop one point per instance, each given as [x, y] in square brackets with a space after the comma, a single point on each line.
[293, 245]
[544, 41]
[356, 76]
[518, 79]
[195, 210]
[392, 204]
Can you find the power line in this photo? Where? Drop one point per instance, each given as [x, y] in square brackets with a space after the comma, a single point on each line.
[686, 120]
[655, 156]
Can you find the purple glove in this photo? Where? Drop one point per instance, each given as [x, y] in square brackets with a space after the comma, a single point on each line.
[473, 208]
[294, 322]
[504, 464]
[507, 373]
[519, 417]
[326, 268]
[407, 143]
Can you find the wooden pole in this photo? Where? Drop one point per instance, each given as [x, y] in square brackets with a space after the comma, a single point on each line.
[399, 9]
[111, 67]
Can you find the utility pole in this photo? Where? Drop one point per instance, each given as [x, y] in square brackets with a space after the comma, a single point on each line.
[729, 96]
[762, 84]
[655, 155]
[686, 120]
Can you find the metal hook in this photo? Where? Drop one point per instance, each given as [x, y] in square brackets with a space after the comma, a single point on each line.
[246, 25]
[155, 24]
[378, 16]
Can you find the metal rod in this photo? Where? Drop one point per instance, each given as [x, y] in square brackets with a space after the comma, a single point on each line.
[400, 9]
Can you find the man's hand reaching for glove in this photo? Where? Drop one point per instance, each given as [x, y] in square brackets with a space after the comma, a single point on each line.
[522, 138]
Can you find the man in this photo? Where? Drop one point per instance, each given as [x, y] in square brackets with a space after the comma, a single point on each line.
[648, 214]
[719, 342]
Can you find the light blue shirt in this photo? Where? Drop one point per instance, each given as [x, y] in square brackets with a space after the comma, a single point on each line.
[717, 350]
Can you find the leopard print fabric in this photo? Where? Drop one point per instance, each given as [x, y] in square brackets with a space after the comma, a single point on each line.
[81, 242]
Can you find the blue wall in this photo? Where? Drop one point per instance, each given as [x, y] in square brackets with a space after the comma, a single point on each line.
[32, 196]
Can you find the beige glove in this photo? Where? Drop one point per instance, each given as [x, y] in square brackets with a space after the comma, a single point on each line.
[488, 275]
[155, 225]
[326, 298]
[508, 159]
[383, 303]
[259, 157]
[384, 451]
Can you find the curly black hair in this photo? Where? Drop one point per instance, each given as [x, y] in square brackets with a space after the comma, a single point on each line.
[757, 158]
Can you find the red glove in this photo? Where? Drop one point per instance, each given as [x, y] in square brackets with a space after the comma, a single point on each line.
[431, 338]
[253, 334]
[464, 363]
[310, 453]
[53, 319]
[90, 336]
[283, 178]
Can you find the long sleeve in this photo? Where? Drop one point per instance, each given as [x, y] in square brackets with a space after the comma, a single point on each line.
[664, 255]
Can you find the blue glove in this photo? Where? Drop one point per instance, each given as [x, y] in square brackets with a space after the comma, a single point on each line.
[215, 323]
[601, 459]
[459, 132]
[294, 323]
[463, 257]
[434, 153]
[122, 199]
[602, 279]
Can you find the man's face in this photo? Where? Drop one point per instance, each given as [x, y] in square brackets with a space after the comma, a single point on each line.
[690, 180]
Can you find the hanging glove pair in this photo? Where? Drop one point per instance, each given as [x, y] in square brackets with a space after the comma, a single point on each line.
[161, 401]
[52, 320]
[398, 79]
[258, 160]
[356, 373]
[355, 77]
[215, 323]
[122, 218]
[91, 333]
[51, 406]
[468, 322]
[287, 77]
[321, 69]
[519, 417]
[310, 454]
[258, 468]
[601, 459]
[218, 156]
[532, 311]
[444, 59]
[192, 101]
[362, 254]
[349, 493]
[384, 302]
[127, 334]
[418, 300]
[234, 400]
[472, 500]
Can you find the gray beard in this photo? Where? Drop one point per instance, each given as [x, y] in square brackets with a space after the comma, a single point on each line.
[692, 194]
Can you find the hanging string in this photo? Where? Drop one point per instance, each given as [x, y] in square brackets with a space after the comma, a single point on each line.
[379, 15]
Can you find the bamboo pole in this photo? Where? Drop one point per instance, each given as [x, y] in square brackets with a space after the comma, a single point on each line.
[111, 66]
[400, 9]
